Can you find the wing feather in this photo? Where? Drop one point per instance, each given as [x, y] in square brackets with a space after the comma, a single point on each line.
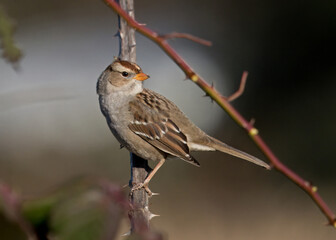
[158, 129]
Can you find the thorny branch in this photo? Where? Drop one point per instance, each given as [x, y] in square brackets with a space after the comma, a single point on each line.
[140, 214]
[225, 104]
[115, 193]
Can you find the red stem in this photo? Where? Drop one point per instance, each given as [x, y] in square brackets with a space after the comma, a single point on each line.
[224, 103]
[241, 89]
[187, 36]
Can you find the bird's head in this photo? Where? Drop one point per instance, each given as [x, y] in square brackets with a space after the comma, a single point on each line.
[121, 76]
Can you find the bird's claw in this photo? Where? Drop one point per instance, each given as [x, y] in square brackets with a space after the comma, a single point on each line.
[140, 186]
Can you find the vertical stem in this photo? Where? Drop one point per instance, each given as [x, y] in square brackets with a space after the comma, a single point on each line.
[127, 44]
[131, 32]
[140, 214]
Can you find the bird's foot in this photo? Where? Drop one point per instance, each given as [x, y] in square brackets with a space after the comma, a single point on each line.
[140, 186]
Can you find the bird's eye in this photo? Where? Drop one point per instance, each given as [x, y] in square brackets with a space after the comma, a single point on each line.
[125, 74]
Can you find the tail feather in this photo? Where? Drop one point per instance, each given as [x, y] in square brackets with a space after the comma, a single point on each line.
[220, 146]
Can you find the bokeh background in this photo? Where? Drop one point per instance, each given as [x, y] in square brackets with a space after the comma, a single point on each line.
[52, 130]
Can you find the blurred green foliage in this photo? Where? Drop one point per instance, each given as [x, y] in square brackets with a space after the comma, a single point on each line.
[78, 211]
[10, 51]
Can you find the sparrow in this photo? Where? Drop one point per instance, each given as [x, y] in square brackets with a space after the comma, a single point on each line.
[148, 124]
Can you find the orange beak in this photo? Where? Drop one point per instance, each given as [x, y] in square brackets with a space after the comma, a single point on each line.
[141, 77]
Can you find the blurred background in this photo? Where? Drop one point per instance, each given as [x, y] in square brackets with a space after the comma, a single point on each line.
[52, 130]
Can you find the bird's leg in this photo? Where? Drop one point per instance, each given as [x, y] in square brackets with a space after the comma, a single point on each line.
[148, 178]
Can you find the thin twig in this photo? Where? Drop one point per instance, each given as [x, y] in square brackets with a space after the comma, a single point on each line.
[241, 89]
[235, 115]
[187, 36]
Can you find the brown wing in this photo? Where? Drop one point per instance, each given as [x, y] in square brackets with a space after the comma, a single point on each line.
[158, 130]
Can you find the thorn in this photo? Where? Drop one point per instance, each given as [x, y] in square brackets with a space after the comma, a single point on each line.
[142, 24]
[155, 194]
[309, 184]
[116, 35]
[121, 146]
[126, 234]
[331, 223]
[151, 215]
[252, 121]
[206, 95]
[121, 34]
[212, 85]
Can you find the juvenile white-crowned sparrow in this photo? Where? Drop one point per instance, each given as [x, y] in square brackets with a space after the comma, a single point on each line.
[148, 124]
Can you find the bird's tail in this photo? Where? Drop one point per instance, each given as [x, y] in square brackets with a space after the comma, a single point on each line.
[220, 146]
